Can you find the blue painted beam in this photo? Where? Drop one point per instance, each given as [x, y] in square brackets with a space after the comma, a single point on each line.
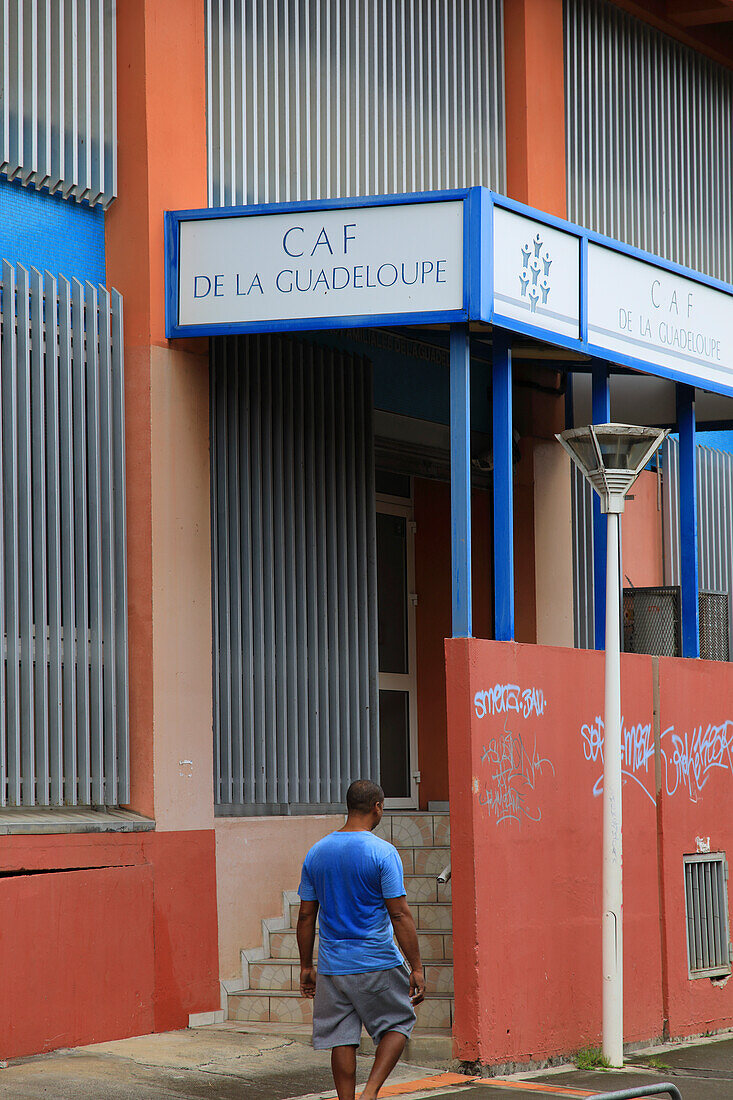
[460, 480]
[601, 398]
[689, 572]
[503, 488]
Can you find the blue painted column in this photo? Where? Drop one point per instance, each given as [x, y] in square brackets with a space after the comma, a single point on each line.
[501, 384]
[601, 414]
[689, 574]
[460, 479]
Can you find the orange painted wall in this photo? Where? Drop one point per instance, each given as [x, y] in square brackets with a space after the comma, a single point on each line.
[535, 103]
[161, 131]
[122, 942]
[641, 533]
[526, 841]
[433, 619]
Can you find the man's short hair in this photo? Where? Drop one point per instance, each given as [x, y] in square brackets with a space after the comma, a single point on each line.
[362, 794]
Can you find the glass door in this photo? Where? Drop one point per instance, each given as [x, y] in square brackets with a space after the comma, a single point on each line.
[396, 602]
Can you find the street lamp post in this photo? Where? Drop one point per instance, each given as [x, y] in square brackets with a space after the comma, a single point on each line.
[611, 457]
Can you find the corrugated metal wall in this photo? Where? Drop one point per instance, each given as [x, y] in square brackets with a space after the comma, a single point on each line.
[649, 147]
[714, 519]
[714, 538]
[311, 99]
[58, 122]
[63, 694]
[294, 574]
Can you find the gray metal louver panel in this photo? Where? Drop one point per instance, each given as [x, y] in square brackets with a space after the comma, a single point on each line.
[294, 574]
[649, 144]
[58, 123]
[63, 695]
[312, 99]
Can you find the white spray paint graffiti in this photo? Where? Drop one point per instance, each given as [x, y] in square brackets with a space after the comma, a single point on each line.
[510, 791]
[688, 758]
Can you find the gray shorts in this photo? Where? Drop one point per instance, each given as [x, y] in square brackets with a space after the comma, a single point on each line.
[379, 999]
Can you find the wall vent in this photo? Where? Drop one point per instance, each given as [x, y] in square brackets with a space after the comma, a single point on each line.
[706, 911]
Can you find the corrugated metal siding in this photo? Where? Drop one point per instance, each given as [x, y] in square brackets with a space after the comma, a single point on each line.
[714, 519]
[64, 692]
[649, 144]
[58, 122]
[311, 99]
[294, 574]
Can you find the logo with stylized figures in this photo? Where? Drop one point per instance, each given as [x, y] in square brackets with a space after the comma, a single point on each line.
[534, 276]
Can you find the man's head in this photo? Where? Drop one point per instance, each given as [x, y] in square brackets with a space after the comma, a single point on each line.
[365, 799]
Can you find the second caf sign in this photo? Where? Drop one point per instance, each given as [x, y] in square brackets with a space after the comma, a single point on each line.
[246, 271]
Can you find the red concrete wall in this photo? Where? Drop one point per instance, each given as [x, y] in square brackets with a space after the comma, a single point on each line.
[525, 745]
[433, 618]
[104, 936]
[526, 852]
[696, 727]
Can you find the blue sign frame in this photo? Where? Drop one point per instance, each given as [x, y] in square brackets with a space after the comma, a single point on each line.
[474, 202]
[584, 345]
[478, 289]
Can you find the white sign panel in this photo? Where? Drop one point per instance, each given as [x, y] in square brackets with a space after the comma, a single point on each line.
[536, 274]
[360, 261]
[647, 313]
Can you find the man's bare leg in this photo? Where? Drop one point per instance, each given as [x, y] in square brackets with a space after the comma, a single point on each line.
[343, 1068]
[388, 1054]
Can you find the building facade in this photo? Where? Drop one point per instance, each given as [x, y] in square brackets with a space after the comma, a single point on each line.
[262, 562]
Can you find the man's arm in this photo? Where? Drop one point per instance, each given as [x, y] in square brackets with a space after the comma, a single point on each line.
[406, 934]
[306, 937]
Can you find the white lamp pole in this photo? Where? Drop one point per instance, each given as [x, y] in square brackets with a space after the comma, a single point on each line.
[610, 457]
[613, 972]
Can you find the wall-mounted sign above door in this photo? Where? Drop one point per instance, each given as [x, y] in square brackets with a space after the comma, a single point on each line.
[443, 257]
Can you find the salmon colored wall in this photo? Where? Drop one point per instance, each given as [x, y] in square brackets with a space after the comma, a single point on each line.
[696, 727]
[120, 943]
[161, 113]
[256, 859]
[526, 767]
[641, 534]
[553, 534]
[433, 618]
[535, 103]
[526, 853]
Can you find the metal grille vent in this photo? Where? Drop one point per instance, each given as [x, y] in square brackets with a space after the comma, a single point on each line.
[652, 622]
[706, 910]
[714, 641]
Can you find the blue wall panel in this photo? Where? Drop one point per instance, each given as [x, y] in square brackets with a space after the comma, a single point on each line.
[50, 233]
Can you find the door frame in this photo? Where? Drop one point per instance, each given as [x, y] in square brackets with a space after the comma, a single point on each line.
[395, 681]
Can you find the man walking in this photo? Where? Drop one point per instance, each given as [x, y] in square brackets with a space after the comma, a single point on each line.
[355, 879]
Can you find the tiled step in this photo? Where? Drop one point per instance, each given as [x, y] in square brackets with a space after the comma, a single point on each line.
[430, 913]
[283, 1007]
[274, 975]
[415, 830]
[426, 888]
[434, 944]
[424, 861]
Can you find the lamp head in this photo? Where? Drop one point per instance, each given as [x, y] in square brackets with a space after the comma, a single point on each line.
[611, 457]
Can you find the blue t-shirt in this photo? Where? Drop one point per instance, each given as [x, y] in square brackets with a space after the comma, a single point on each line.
[350, 875]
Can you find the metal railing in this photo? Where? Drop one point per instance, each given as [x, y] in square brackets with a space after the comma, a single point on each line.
[642, 1090]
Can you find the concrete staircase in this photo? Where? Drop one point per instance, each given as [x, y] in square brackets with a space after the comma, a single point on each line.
[268, 991]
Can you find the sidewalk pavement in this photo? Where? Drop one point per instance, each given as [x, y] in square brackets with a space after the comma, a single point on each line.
[228, 1062]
